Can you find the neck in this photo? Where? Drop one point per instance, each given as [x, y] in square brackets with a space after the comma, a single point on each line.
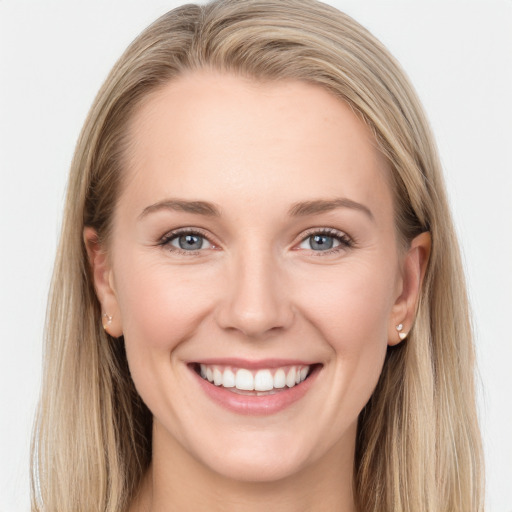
[177, 481]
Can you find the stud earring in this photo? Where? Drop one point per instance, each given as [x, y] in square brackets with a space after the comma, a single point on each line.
[401, 335]
[109, 321]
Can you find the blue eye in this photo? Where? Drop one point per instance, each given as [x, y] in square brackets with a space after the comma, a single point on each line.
[326, 241]
[322, 242]
[189, 242]
[186, 242]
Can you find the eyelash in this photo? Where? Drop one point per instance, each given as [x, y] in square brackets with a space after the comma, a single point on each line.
[166, 240]
[345, 242]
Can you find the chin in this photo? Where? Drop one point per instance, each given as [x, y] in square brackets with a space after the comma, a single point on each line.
[262, 470]
[257, 458]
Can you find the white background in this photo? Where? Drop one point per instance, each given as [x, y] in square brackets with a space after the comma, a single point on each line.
[55, 54]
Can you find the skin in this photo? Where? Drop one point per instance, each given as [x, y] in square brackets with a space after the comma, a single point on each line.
[257, 289]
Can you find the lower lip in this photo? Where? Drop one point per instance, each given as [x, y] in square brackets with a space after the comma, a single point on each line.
[257, 405]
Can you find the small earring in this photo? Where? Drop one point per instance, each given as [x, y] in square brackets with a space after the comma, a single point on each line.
[109, 321]
[401, 335]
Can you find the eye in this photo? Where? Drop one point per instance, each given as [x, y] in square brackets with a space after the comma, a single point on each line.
[319, 243]
[189, 242]
[327, 241]
[186, 241]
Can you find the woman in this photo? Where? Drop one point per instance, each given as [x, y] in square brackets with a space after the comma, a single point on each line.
[253, 305]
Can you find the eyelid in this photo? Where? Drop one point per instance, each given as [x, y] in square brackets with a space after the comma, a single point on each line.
[324, 231]
[164, 240]
[346, 241]
[189, 230]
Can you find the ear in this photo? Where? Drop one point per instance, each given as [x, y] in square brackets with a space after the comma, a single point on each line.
[413, 272]
[103, 283]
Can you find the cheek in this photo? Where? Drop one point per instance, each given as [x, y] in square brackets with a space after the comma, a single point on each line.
[351, 313]
[160, 305]
[351, 316]
[352, 304]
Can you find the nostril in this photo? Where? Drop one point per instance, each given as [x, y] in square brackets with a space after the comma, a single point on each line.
[255, 310]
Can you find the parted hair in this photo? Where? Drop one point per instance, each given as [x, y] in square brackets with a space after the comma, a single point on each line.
[418, 445]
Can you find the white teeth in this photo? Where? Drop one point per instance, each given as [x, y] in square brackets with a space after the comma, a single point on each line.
[244, 380]
[265, 380]
[228, 379]
[290, 378]
[280, 379]
[217, 377]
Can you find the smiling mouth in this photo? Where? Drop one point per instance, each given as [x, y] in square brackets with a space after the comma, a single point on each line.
[261, 382]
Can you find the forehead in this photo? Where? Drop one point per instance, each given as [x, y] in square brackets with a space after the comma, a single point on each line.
[222, 137]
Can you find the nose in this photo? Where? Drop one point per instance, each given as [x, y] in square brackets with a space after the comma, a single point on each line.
[256, 301]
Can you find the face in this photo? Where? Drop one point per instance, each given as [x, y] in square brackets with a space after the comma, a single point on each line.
[254, 245]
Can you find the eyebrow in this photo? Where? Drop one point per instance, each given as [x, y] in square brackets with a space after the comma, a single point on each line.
[300, 209]
[322, 205]
[197, 207]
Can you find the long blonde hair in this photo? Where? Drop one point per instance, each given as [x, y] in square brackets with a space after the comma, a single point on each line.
[418, 445]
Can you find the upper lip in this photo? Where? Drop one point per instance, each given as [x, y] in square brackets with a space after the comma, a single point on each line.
[254, 364]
